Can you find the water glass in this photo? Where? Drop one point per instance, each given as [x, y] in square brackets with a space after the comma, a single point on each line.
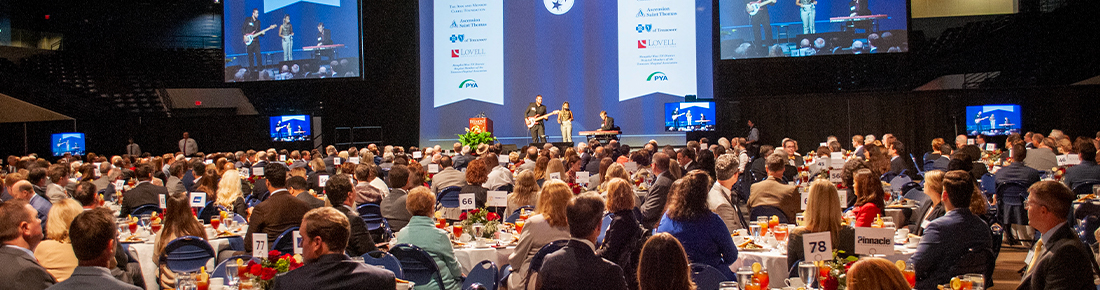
[231, 277]
[727, 285]
[185, 282]
[977, 281]
[755, 229]
[808, 272]
[744, 274]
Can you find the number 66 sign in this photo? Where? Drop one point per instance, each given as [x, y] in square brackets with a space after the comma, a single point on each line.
[817, 246]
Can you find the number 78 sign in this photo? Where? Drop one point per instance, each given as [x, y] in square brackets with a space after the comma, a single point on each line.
[817, 246]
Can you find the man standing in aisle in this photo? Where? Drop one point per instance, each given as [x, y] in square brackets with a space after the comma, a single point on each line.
[188, 145]
[752, 141]
[133, 149]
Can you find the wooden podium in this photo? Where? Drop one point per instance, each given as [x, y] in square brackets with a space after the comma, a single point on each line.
[485, 124]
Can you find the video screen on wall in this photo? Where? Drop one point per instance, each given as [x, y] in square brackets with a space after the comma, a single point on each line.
[72, 143]
[269, 40]
[993, 120]
[291, 128]
[689, 116]
[619, 56]
[786, 28]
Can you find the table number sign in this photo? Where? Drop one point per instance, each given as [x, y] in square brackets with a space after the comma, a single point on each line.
[631, 166]
[805, 198]
[498, 198]
[259, 245]
[163, 201]
[322, 180]
[198, 199]
[582, 178]
[817, 246]
[353, 160]
[1063, 160]
[835, 176]
[417, 154]
[555, 175]
[433, 168]
[466, 201]
[258, 171]
[297, 242]
[1073, 159]
[336, 161]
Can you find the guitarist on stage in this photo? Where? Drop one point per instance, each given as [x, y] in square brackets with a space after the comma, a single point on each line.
[760, 20]
[536, 114]
[252, 26]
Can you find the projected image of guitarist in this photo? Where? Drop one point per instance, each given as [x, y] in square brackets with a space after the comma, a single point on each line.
[534, 117]
[761, 20]
[251, 31]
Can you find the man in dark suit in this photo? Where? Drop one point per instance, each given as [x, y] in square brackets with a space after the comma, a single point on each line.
[279, 212]
[298, 188]
[899, 161]
[330, 159]
[657, 196]
[21, 233]
[23, 190]
[324, 36]
[143, 193]
[325, 234]
[393, 205]
[1017, 171]
[686, 158]
[1059, 260]
[948, 238]
[195, 171]
[360, 242]
[1085, 172]
[576, 265]
[536, 109]
[463, 158]
[593, 165]
[94, 235]
[608, 122]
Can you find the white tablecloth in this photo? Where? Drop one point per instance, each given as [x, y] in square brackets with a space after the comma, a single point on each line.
[143, 252]
[468, 257]
[776, 263]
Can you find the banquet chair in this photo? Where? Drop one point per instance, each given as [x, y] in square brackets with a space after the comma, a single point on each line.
[515, 214]
[285, 242]
[505, 188]
[1086, 216]
[372, 215]
[706, 277]
[219, 271]
[767, 211]
[505, 272]
[145, 209]
[483, 274]
[416, 265]
[920, 169]
[448, 197]
[1010, 206]
[536, 260]
[988, 185]
[186, 254]
[1085, 188]
[974, 261]
[385, 260]
[603, 228]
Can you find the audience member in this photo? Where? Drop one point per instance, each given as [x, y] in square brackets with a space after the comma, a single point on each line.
[773, 192]
[657, 196]
[1059, 260]
[548, 224]
[1086, 173]
[1042, 157]
[623, 236]
[143, 193]
[948, 239]
[822, 215]
[21, 232]
[279, 212]
[338, 190]
[932, 208]
[364, 192]
[526, 192]
[721, 199]
[869, 198]
[55, 253]
[477, 174]
[178, 222]
[576, 266]
[176, 172]
[94, 237]
[325, 234]
[875, 274]
[229, 195]
[663, 265]
[498, 175]
[297, 187]
[421, 232]
[59, 178]
[687, 217]
[85, 195]
[463, 159]
[447, 177]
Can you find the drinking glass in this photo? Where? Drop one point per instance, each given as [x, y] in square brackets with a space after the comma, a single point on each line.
[808, 272]
[231, 273]
[214, 223]
[977, 281]
[744, 274]
[185, 282]
[966, 283]
[123, 227]
[910, 275]
[755, 228]
[727, 285]
[781, 233]
[477, 230]
[800, 219]
[457, 228]
[145, 221]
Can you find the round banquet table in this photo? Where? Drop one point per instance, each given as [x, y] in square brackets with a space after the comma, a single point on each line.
[468, 257]
[775, 262]
[143, 252]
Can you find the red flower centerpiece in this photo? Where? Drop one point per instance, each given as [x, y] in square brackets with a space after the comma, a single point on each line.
[488, 220]
[263, 273]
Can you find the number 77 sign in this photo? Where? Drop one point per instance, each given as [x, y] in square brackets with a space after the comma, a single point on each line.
[817, 246]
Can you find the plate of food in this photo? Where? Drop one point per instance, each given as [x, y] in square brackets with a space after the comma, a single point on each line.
[132, 239]
[749, 246]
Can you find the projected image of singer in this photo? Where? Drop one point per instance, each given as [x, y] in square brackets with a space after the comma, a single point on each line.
[251, 33]
[534, 117]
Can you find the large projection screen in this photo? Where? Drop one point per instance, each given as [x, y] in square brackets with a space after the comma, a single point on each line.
[291, 39]
[626, 57]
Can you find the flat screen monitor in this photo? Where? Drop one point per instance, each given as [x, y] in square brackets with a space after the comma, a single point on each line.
[689, 116]
[290, 128]
[785, 28]
[620, 56]
[269, 40]
[72, 143]
[993, 119]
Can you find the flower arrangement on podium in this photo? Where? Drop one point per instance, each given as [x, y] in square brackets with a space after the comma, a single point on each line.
[263, 273]
[474, 136]
[488, 220]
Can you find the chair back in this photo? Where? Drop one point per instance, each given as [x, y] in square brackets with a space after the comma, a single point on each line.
[536, 260]
[506, 188]
[767, 211]
[899, 181]
[485, 274]
[372, 215]
[1085, 188]
[603, 228]
[974, 261]
[145, 209]
[706, 277]
[502, 280]
[515, 214]
[219, 271]
[448, 197]
[920, 169]
[988, 184]
[385, 260]
[1011, 192]
[186, 254]
[285, 242]
[416, 265]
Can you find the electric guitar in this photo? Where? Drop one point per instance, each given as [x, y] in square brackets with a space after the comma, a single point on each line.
[531, 121]
[248, 38]
[754, 7]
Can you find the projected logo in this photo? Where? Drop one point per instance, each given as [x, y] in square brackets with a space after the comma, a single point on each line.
[457, 37]
[643, 43]
[468, 84]
[656, 43]
[644, 28]
[474, 52]
[657, 77]
[558, 7]
[272, 5]
[640, 13]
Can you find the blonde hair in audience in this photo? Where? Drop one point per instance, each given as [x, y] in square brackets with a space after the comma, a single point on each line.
[229, 189]
[823, 209]
[875, 274]
[616, 170]
[61, 215]
[554, 197]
